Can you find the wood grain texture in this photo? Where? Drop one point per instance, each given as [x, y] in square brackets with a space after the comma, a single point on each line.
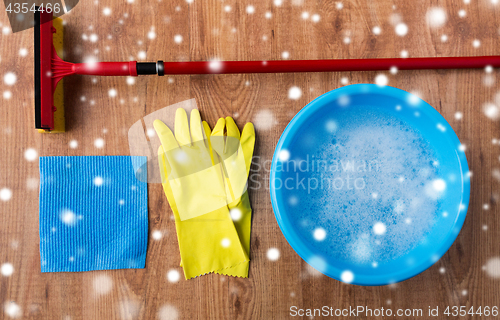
[209, 32]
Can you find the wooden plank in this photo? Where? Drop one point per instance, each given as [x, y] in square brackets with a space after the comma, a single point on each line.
[210, 32]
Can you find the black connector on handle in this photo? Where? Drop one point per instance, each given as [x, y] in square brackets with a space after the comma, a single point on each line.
[144, 68]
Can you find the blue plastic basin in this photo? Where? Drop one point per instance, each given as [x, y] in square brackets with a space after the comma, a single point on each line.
[422, 119]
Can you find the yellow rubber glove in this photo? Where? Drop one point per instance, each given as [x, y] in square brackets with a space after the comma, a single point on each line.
[207, 242]
[236, 152]
[195, 179]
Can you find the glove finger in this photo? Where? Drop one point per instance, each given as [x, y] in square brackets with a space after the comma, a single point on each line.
[166, 136]
[233, 137]
[232, 128]
[206, 129]
[182, 128]
[163, 165]
[196, 126]
[207, 132]
[217, 136]
[248, 143]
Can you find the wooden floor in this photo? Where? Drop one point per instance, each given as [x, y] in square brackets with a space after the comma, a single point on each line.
[223, 29]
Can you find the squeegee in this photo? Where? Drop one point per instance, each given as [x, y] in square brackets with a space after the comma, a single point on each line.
[50, 69]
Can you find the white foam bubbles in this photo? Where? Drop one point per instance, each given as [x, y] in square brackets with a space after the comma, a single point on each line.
[361, 248]
[398, 209]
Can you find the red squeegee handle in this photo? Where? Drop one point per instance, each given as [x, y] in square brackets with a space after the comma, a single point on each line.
[332, 65]
[134, 68]
[106, 68]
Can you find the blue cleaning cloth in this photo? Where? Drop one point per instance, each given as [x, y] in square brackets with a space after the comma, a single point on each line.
[93, 213]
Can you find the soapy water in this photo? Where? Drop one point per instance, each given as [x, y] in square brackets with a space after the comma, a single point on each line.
[376, 186]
